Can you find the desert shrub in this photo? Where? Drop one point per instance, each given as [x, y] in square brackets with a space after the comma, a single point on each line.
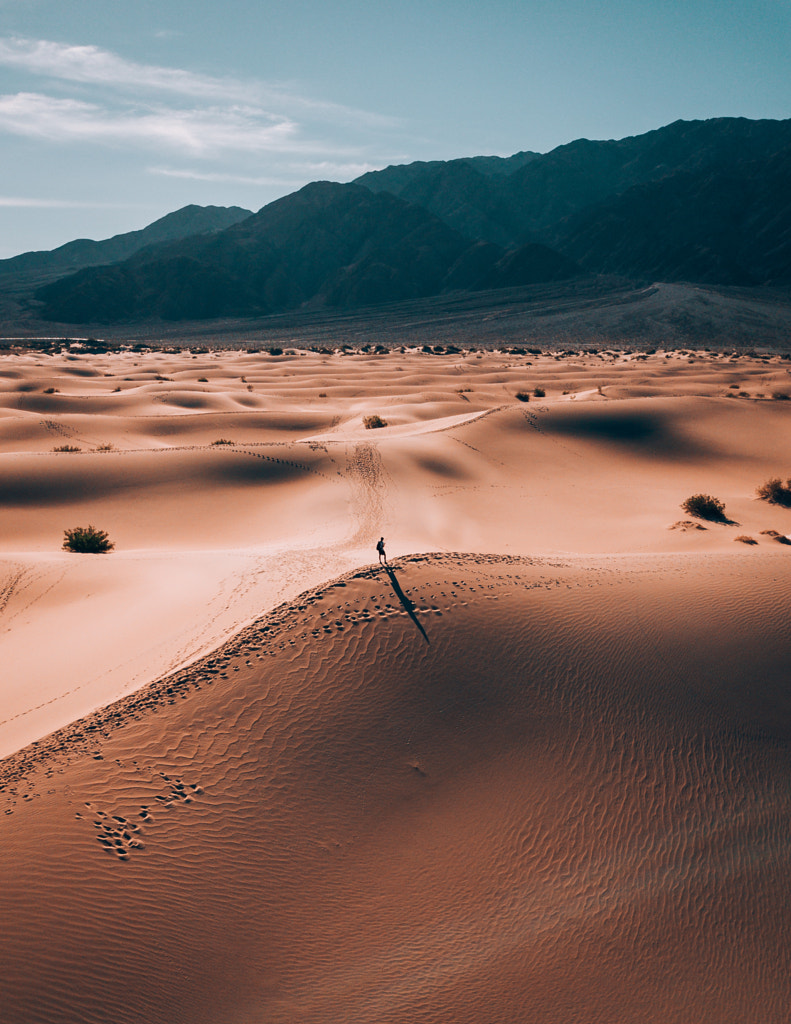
[203, 380]
[685, 525]
[775, 491]
[50, 391]
[781, 538]
[780, 396]
[66, 448]
[105, 447]
[322, 394]
[87, 540]
[745, 539]
[539, 392]
[522, 396]
[373, 421]
[275, 351]
[223, 440]
[704, 506]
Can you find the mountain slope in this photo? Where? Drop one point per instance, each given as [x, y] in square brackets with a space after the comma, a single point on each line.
[582, 173]
[727, 225]
[326, 245]
[530, 203]
[465, 193]
[84, 252]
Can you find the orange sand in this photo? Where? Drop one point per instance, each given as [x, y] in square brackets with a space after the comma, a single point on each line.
[545, 781]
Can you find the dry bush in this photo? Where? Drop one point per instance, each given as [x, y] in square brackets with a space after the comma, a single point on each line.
[50, 391]
[781, 396]
[66, 448]
[539, 392]
[105, 447]
[776, 535]
[87, 540]
[775, 491]
[373, 422]
[685, 525]
[522, 396]
[704, 506]
[746, 539]
[223, 440]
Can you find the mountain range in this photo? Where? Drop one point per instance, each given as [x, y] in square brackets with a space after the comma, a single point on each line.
[696, 201]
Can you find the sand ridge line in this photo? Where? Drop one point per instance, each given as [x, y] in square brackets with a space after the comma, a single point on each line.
[264, 637]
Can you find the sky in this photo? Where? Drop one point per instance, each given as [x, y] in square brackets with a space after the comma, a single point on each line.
[114, 114]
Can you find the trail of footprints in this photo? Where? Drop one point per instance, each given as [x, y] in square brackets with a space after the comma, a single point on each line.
[120, 836]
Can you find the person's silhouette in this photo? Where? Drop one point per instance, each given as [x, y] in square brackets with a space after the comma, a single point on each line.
[380, 547]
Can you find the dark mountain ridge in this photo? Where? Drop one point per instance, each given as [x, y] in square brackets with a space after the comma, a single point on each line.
[581, 173]
[84, 252]
[704, 201]
[531, 202]
[726, 225]
[326, 245]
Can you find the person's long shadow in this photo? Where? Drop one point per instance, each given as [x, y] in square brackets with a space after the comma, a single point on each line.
[409, 607]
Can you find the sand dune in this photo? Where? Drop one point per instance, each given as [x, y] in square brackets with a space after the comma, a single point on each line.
[251, 778]
[571, 803]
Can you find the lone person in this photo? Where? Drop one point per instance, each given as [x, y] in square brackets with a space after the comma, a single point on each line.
[380, 547]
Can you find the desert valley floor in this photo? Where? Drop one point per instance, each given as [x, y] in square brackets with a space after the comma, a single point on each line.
[536, 770]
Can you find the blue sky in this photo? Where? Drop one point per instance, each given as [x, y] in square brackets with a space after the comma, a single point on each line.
[113, 114]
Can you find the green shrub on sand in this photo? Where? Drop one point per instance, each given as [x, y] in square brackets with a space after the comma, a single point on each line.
[87, 540]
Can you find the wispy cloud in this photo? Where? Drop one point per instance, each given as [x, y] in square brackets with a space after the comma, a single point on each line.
[93, 65]
[298, 173]
[201, 131]
[33, 202]
[220, 177]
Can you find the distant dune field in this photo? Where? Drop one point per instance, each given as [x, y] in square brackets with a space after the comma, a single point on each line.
[537, 770]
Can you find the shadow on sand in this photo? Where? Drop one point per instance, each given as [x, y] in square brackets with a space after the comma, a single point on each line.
[408, 605]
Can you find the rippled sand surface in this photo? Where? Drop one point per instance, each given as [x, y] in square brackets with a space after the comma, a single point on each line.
[565, 798]
[543, 779]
